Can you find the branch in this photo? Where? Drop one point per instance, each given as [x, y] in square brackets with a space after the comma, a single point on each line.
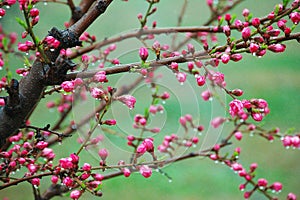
[24, 96]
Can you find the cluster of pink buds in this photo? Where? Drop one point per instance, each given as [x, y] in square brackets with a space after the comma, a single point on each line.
[25, 47]
[52, 42]
[63, 104]
[34, 14]
[127, 100]
[3, 83]
[69, 86]
[86, 37]
[146, 146]
[145, 170]
[291, 141]
[100, 77]
[22, 71]
[257, 108]
[217, 78]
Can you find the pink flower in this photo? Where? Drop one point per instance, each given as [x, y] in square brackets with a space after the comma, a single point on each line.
[75, 194]
[235, 107]
[143, 53]
[145, 171]
[128, 100]
[68, 86]
[246, 33]
[100, 77]
[97, 93]
[277, 48]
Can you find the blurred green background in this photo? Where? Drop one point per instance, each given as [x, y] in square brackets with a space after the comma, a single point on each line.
[273, 77]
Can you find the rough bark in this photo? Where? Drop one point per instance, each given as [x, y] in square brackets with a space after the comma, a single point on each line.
[26, 94]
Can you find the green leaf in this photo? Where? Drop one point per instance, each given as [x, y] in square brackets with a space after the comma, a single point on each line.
[221, 21]
[146, 113]
[233, 17]
[5, 42]
[276, 9]
[9, 76]
[21, 22]
[145, 65]
[285, 2]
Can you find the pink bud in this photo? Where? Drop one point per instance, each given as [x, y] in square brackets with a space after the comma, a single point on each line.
[68, 181]
[143, 53]
[86, 167]
[75, 194]
[238, 135]
[200, 80]
[126, 172]
[216, 122]
[110, 122]
[206, 95]
[246, 12]
[225, 58]
[103, 153]
[2, 102]
[291, 196]
[255, 22]
[227, 17]
[277, 48]
[100, 77]
[257, 116]
[295, 17]
[246, 33]
[35, 181]
[2, 12]
[34, 12]
[276, 186]
[145, 171]
[253, 47]
[68, 86]
[262, 182]
[128, 100]
[236, 57]
[253, 167]
[174, 66]
[181, 77]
